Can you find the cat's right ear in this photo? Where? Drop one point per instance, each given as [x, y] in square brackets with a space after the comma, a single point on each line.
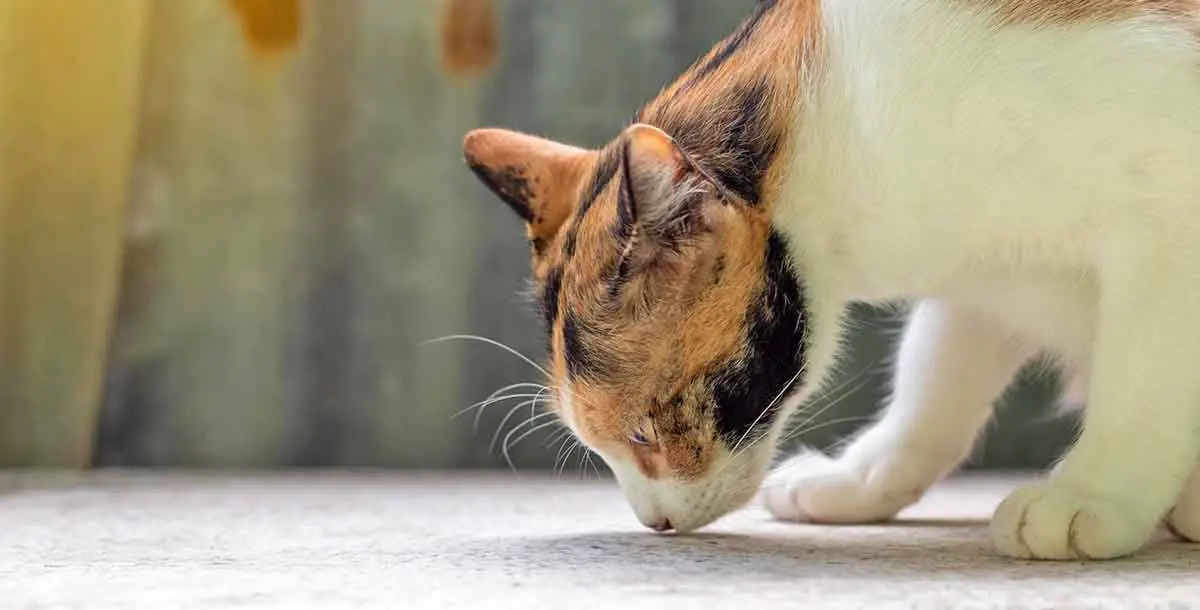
[538, 178]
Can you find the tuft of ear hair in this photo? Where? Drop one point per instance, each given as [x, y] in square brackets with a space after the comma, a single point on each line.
[661, 184]
[469, 36]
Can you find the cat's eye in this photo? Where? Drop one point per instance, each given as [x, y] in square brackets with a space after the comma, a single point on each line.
[638, 438]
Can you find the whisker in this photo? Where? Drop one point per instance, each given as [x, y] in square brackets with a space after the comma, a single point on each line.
[483, 407]
[852, 379]
[500, 428]
[767, 408]
[542, 426]
[479, 413]
[827, 424]
[579, 467]
[533, 406]
[838, 393]
[504, 445]
[847, 393]
[490, 400]
[493, 343]
[595, 468]
[567, 456]
[562, 446]
[557, 438]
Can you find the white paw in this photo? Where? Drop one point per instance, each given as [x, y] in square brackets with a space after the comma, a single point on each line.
[1049, 521]
[811, 487]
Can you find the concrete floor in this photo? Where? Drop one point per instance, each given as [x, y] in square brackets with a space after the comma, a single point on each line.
[176, 541]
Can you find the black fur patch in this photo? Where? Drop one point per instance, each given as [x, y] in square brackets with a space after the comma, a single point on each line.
[538, 245]
[510, 185]
[626, 201]
[624, 230]
[734, 140]
[669, 417]
[606, 169]
[583, 361]
[550, 292]
[620, 277]
[718, 271]
[743, 393]
[750, 144]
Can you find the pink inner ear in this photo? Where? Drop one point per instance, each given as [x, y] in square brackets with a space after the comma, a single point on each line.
[682, 167]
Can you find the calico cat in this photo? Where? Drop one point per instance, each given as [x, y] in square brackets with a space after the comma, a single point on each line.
[1023, 173]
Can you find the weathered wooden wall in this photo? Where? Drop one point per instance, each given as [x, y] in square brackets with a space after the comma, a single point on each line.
[228, 228]
[69, 76]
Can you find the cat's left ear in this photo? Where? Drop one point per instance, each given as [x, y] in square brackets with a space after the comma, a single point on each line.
[538, 178]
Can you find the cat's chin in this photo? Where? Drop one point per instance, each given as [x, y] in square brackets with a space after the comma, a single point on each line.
[683, 506]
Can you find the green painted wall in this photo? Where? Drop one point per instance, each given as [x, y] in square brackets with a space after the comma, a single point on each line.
[299, 231]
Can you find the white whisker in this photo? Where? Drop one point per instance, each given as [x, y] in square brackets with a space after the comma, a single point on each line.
[766, 409]
[527, 422]
[500, 428]
[542, 426]
[827, 424]
[843, 395]
[492, 398]
[493, 343]
[563, 443]
[575, 444]
[557, 438]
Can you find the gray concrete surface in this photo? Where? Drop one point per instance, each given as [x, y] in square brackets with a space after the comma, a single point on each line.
[324, 540]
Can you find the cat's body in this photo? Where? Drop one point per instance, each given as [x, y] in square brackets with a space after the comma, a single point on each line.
[1023, 172]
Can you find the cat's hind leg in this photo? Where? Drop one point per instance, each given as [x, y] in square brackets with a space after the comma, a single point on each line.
[953, 363]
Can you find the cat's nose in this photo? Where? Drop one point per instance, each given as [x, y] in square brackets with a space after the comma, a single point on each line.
[661, 525]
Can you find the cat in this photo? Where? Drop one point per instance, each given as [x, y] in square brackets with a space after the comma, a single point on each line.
[1021, 173]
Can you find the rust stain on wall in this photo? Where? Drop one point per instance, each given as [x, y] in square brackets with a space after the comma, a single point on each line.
[270, 26]
[468, 34]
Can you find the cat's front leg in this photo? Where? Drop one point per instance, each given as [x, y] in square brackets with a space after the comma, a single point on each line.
[952, 365]
[1141, 434]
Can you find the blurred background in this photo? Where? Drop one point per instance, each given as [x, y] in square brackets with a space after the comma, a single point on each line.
[229, 227]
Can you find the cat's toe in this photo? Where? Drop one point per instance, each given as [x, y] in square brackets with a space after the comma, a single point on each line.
[814, 488]
[1053, 522]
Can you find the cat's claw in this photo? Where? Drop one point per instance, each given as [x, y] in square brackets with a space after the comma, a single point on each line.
[1053, 522]
[816, 489]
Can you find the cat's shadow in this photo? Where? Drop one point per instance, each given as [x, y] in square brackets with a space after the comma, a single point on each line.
[912, 548]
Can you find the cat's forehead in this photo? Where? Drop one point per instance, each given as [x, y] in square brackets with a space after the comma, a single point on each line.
[645, 334]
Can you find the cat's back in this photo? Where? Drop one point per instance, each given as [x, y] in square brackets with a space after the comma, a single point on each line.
[1012, 132]
[1014, 103]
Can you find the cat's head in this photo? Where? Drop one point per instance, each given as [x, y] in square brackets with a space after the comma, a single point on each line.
[675, 323]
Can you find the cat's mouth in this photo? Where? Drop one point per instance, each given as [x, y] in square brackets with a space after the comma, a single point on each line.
[683, 506]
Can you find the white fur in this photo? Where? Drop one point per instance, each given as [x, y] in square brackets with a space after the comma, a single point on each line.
[692, 504]
[1034, 190]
